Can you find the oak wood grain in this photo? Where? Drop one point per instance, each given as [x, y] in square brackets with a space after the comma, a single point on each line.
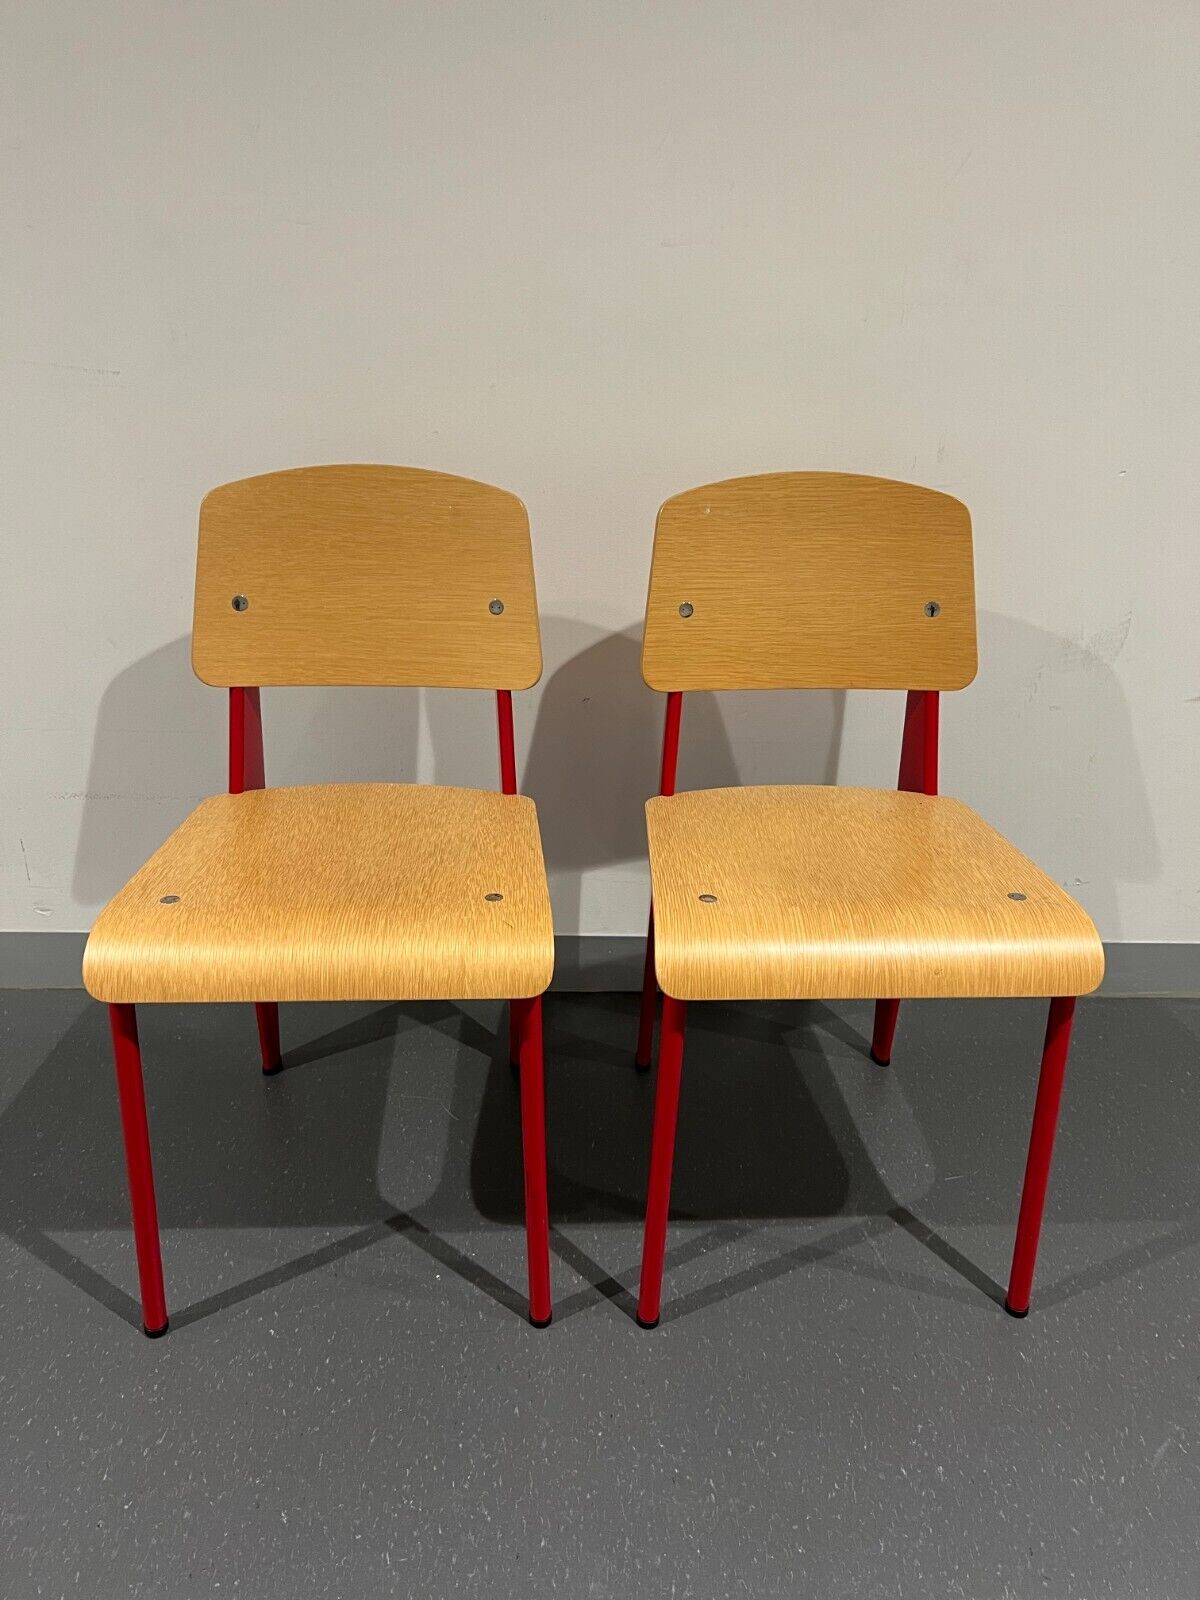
[365, 575]
[811, 580]
[334, 892]
[839, 892]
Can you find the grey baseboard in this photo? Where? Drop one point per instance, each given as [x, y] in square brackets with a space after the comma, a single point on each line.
[41, 960]
[1171, 970]
[586, 964]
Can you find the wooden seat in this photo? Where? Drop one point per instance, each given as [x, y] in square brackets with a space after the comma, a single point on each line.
[810, 892]
[369, 891]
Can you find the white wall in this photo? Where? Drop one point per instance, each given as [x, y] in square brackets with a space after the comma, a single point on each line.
[597, 254]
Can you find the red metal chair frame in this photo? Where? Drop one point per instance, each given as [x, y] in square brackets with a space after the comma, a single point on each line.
[919, 773]
[247, 771]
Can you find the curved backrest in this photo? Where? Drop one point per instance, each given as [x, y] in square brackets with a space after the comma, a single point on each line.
[366, 575]
[811, 580]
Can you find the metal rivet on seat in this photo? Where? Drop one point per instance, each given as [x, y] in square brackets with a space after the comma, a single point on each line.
[240, 603]
[493, 896]
[709, 899]
[686, 609]
[495, 607]
[1017, 895]
[169, 900]
[932, 608]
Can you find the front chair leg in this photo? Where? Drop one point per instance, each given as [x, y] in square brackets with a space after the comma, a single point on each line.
[266, 1013]
[533, 1145]
[662, 1156]
[1041, 1149]
[130, 1092]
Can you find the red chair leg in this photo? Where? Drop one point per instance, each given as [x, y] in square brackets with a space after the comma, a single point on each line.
[886, 1012]
[1041, 1149]
[533, 1145]
[645, 1043]
[267, 1015]
[128, 1058]
[662, 1156]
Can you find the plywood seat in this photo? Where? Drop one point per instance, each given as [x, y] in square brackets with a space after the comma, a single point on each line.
[839, 893]
[371, 891]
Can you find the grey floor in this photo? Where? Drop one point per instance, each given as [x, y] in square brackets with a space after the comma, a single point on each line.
[350, 1403]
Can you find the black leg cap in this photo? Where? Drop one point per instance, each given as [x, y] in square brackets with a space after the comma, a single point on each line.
[1013, 1313]
[881, 1061]
[534, 1323]
[642, 1066]
[155, 1333]
[646, 1325]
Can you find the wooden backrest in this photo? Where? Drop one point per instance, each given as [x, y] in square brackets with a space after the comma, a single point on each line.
[811, 580]
[366, 575]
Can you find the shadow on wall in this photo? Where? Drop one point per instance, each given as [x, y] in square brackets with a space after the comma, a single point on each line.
[160, 746]
[1052, 760]
[596, 749]
[1042, 706]
[1043, 711]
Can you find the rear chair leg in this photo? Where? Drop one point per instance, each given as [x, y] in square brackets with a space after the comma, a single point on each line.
[886, 1012]
[131, 1095]
[1041, 1149]
[533, 1145]
[267, 1014]
[662, 1156]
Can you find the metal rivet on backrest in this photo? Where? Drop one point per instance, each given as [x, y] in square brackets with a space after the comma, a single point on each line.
[240, 603]
[932, 608]
[686, 609]
[496, 607]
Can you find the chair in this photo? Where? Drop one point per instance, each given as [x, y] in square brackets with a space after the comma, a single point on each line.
[372, 891]
[808, 580]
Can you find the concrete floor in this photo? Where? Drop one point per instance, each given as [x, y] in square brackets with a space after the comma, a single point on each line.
[350, 1403]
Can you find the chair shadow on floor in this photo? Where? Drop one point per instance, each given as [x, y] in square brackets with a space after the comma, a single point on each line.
[312, 1147]
[231, 1148]
[402, 1122]
[765, 1138]
[783, 1117]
